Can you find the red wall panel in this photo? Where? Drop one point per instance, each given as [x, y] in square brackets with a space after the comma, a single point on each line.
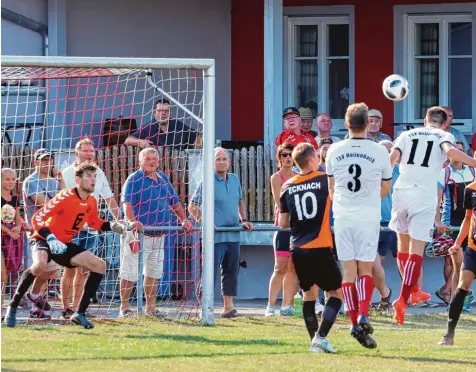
[373, 58]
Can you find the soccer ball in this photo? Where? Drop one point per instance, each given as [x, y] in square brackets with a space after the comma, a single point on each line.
[395, 87]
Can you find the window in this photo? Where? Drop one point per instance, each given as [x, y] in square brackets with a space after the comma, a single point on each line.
[319, 65]
[439, 66]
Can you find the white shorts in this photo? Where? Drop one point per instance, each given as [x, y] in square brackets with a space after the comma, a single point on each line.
[413, 213]
[153, 258]
[356, 240]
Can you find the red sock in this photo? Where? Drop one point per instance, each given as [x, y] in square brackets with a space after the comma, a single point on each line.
[365, 290]
[411, 275]
[351, 301]
[402, 259]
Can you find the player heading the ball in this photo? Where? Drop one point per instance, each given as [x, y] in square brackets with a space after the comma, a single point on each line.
[422, 152]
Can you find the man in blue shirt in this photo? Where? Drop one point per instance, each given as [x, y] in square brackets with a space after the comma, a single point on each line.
[387, 241]
[38, 188]
[148, 199]
[454, 131]
[163, 131]
[229, 211]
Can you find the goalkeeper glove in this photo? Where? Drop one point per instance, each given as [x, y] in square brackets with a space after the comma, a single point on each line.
[56, 247]
[118, 227]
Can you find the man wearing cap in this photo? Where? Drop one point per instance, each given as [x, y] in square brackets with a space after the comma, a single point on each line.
[454, 131]
[375, 125]
[38, 188]
[324, 126]
[292, 132]
[306, 121]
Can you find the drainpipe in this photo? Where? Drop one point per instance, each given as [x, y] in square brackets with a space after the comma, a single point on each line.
[28, 23]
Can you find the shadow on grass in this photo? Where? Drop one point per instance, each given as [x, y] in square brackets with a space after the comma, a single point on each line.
[426, 359]
[145, 357]
[202, 339]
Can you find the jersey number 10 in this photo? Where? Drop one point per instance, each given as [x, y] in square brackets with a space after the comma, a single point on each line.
[301, 206]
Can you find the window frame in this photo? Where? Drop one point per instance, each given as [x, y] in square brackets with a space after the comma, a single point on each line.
[321, 21]
[401, 15]
[443, 20]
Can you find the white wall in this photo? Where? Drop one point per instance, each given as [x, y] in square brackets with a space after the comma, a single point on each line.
[148, 28]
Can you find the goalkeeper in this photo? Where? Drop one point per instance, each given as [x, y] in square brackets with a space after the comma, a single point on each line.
[55, 225]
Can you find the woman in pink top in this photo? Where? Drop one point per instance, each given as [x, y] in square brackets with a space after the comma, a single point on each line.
[283, 274]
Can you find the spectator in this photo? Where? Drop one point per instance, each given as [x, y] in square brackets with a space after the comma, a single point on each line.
[229, 211]
[164, 131]
[451, 185]
[324, 145]
[387, 241]
[324, 127]
[375, 125]
[74, 279]
[148, 199]
[43, 184]
[455, 132]
[306, 121]
[284, 274]
[12, 242]
[38, 188]
[292, 132]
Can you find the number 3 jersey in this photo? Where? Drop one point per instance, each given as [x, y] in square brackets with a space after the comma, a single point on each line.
[65, 215]
[358, 166]
[306, 199]
[422, 158]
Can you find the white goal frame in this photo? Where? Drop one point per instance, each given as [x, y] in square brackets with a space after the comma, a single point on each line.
[208, 68]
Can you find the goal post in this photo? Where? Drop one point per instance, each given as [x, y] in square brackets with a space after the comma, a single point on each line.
[92, 74]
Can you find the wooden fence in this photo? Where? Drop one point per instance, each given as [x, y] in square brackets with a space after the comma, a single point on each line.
[253, 165]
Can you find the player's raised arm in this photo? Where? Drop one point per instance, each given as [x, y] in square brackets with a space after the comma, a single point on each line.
[456, 155]
[398, 148]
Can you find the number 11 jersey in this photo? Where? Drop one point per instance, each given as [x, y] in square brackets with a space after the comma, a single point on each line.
[422, 158]
[358, 166]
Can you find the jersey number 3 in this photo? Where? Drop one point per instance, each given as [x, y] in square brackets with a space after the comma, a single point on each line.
[426, 158]
[356, 172]
[301, 206]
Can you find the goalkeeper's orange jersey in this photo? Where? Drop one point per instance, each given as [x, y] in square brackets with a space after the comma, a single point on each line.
[65, 215]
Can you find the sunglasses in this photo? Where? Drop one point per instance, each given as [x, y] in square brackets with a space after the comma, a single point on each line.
[285, 155]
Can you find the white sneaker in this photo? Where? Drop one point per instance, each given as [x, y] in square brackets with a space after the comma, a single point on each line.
[320, 344]
[269, 311]
[319, 308]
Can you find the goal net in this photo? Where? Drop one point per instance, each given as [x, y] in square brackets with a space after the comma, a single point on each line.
[114, 108]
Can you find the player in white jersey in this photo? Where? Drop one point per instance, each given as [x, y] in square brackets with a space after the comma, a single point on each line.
[422, 152]
[360, 175]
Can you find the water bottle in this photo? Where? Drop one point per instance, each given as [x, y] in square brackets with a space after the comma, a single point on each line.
[298, 305]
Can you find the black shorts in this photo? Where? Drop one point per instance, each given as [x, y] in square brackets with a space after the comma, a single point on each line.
[63, 259]
[387, 241]
[469, 260]
[454, 235]
[281, 241]
[317, 266]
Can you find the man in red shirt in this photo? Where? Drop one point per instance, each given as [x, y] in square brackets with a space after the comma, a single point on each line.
[292, 129]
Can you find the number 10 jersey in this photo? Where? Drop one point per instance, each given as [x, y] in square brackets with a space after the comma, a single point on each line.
[358, 166]
[306, 199]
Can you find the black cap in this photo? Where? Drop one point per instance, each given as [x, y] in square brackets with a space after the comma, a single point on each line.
[41, 153]
[291, 110]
